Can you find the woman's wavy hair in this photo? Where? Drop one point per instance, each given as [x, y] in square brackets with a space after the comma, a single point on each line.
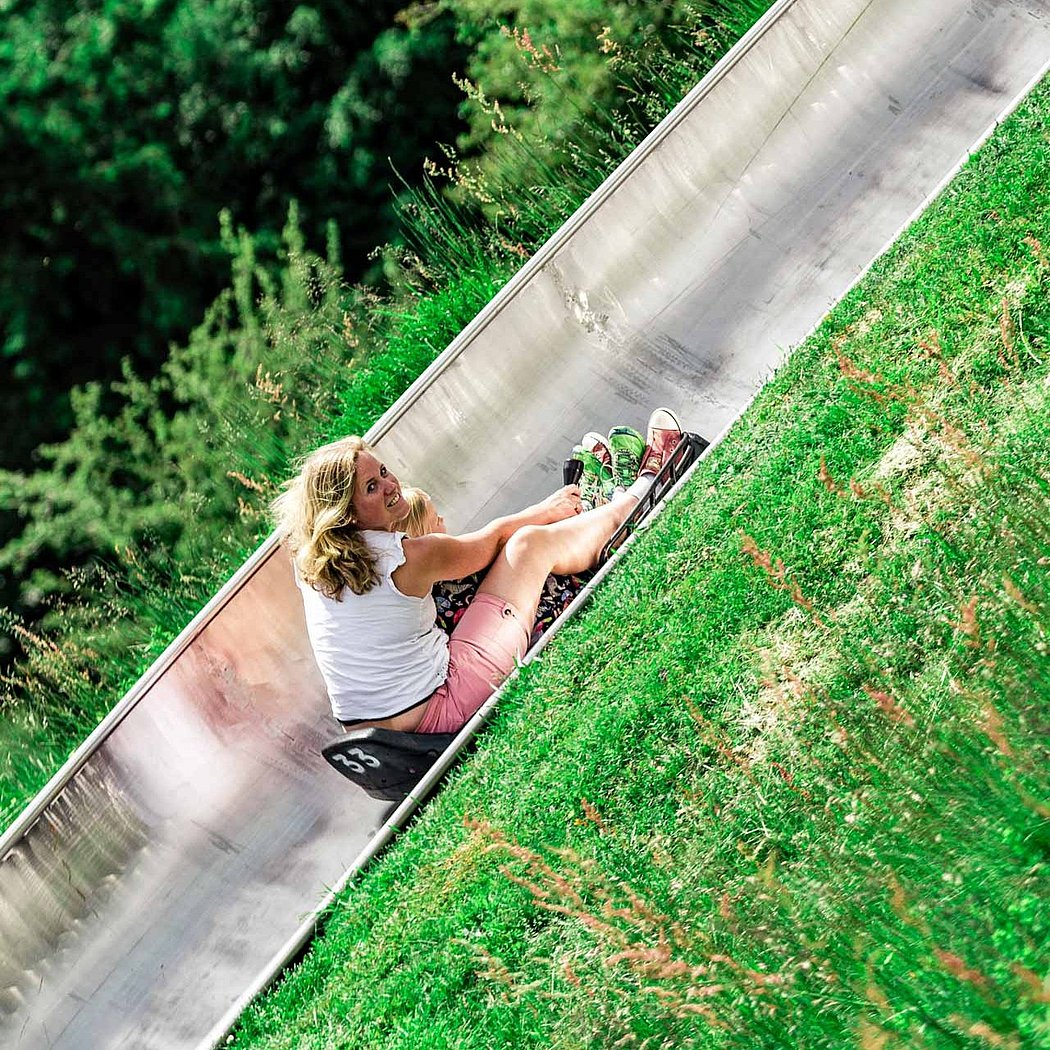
[315, 519]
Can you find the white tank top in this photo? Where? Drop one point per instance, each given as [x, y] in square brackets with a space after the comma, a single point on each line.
[380, 653]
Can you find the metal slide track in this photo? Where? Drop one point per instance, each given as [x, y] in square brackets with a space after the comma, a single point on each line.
[174, 858]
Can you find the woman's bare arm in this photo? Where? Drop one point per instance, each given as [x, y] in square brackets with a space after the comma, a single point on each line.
[440, 557]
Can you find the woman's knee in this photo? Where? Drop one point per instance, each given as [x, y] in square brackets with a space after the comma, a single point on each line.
[532, 546]
[529, 542]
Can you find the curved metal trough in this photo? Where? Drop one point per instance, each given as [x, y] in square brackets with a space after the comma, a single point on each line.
[165, 872]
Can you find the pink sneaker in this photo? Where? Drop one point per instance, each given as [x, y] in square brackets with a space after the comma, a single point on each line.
[661, 440]
[597, 444]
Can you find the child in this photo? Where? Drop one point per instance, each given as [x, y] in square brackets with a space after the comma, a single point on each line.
[422, 517]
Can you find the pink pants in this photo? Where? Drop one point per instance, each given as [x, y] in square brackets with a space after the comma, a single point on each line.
[489, 640]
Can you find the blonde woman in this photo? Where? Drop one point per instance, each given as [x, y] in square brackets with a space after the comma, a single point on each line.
[367, 587]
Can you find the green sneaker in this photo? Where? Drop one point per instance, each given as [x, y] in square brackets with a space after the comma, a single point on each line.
[627, 448]
[596, 482]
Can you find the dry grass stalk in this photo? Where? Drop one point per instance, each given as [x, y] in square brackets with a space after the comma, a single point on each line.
[1035, 987]
[271, 388]
[922, 416]
[857, 375]
[31, 640]
[593, 816]
[608, 46]
[826, 479]
[876, 996]
[890, 707]
[249, 510]
[901, 907]
[788, 779]
[985, 1033]
[515, 248]
[634, 937]
[872, 1037]
[717, 739]
[931, 350]
[248, 483]
[542, 58]
[968, 625]
[1038, 251]
[1014, 592]
[777, 575]
[958, 968]
[992, 725]
[513, 988]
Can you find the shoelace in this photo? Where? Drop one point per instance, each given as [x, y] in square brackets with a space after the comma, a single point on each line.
[591, 488]
[624, 462]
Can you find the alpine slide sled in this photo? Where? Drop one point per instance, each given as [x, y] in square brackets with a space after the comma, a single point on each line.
[185, 853]
[387, 764]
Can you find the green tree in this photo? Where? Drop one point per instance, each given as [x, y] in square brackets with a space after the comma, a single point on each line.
[581, 79]
[184, 462]
[126, 127]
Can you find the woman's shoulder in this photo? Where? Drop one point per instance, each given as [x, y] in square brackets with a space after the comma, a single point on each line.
[381, 540]
[387, 547]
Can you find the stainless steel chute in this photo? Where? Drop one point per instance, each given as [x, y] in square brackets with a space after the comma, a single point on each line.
[155, 879]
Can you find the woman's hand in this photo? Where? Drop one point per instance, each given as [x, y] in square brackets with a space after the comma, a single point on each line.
[560, 505]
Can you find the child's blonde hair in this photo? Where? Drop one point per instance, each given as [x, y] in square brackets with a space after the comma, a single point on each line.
[315, 519]
[414, 523]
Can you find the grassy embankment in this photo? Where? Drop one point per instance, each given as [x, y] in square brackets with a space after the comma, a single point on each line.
[785, 782]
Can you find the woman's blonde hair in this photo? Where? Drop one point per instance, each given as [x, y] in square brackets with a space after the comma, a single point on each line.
[315, 518]
[414, 523]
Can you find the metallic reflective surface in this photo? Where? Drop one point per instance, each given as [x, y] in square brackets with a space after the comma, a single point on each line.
[689, 282]
[187, 841]
[204, 826]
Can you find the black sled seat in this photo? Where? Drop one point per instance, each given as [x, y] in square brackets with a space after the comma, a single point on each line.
[388, 764]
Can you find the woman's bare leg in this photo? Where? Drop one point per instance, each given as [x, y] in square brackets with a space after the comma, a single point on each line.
[532, 553]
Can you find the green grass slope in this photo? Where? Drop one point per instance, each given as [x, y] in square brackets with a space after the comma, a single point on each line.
[785, 782]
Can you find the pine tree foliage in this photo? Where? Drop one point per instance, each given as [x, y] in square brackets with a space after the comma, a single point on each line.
[189, 455]
[126, 127]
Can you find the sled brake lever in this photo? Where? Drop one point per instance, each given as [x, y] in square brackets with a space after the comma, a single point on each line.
[572, 471]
